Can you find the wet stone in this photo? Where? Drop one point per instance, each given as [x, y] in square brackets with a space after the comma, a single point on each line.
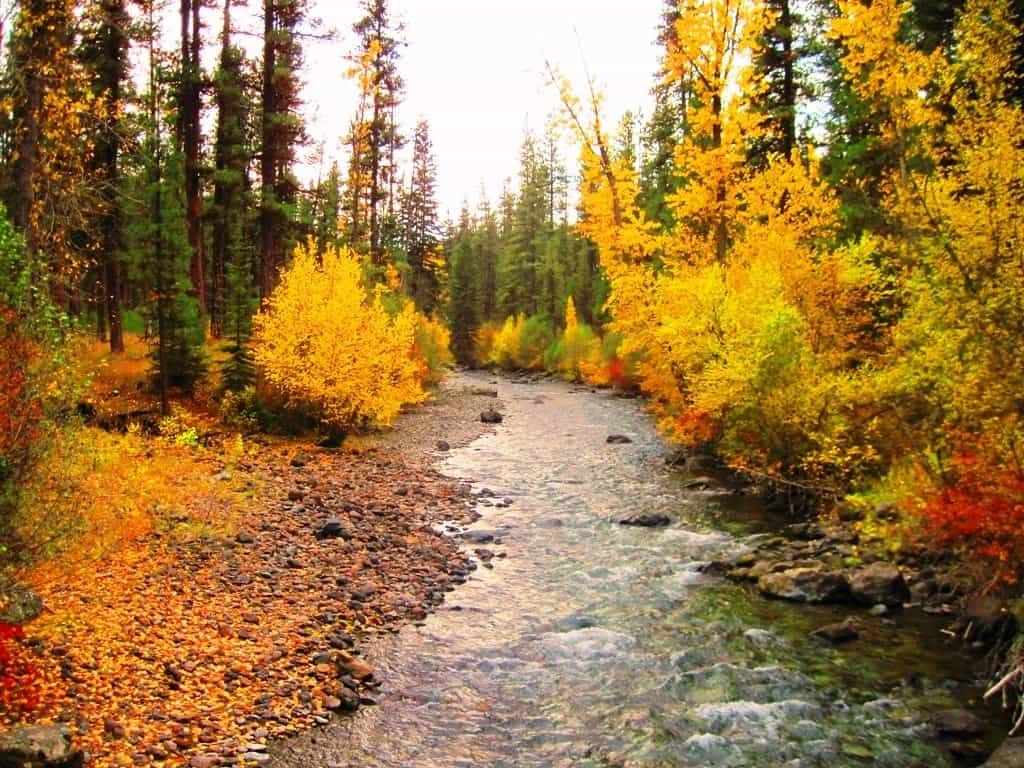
[646, 520]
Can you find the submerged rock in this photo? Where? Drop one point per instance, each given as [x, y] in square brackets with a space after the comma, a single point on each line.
[842, 632]
[39, 746]
[490, 416]
[618, 440]
[646, 520]
[879, 583]
[805, 585]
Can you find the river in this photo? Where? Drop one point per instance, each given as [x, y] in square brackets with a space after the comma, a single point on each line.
[594, 644]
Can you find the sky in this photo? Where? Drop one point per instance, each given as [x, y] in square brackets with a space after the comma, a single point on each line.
[475, 70]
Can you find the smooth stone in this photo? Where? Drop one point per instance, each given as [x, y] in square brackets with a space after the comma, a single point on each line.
[350, 665]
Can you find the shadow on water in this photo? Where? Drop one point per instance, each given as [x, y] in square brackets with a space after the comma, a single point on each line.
[596, 644]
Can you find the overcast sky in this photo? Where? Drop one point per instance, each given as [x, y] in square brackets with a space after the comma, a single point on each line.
[474, 69]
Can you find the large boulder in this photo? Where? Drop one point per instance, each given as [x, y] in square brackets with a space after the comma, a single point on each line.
[805, 585]
[1009, 755]
[39, 746]
[879, 583]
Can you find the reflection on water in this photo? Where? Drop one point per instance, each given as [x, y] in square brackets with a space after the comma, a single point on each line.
[595, 644]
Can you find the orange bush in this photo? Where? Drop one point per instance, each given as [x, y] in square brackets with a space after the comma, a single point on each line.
[983, 510]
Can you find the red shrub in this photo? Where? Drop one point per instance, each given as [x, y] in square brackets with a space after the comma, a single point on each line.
[983, 510]
[18, 689]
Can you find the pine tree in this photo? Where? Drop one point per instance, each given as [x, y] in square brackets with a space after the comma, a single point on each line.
[189, 140]
[374, 138]
[420, 222]
[104, 52]
[232, 159]
[159, 238]
[281, 134]
[463, 313]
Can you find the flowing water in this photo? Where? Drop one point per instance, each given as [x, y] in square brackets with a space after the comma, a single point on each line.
[596, 644]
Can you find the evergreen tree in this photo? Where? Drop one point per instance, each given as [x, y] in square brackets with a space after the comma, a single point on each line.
[188, 134]
[421, 228]
[232, 159]
[104, 52]
[374, 138]
[159, 238]
[282, 132]
[463, 312]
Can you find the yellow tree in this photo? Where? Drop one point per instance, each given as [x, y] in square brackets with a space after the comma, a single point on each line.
[55, 112]
[328, 346]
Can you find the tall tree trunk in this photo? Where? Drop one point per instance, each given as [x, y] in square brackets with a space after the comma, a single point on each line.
[376, 255]
[788, 107]
[191, 41]
[269, 224]
[222, 201]
[28, 146]
[112, 70]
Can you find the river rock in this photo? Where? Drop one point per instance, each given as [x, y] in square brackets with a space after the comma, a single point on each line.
[699, 483]
[350, 665]
[23, 604]
[39, 746]
[646, 520]
[957, 723]
[443, 445]
[618, 440]
[348, 700]
[333, 529]
[1009, 755]
[842, 632]
[480, 537]
[805, 585]
[879, 583]
[490, 416]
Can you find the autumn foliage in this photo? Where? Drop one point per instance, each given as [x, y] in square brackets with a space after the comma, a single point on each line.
[18, 694]
[806, 355]
[325, 342]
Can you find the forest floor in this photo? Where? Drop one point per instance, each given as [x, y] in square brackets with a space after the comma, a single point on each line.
[235, 615]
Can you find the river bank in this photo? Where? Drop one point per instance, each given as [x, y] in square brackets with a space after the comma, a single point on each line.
[221, 630]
